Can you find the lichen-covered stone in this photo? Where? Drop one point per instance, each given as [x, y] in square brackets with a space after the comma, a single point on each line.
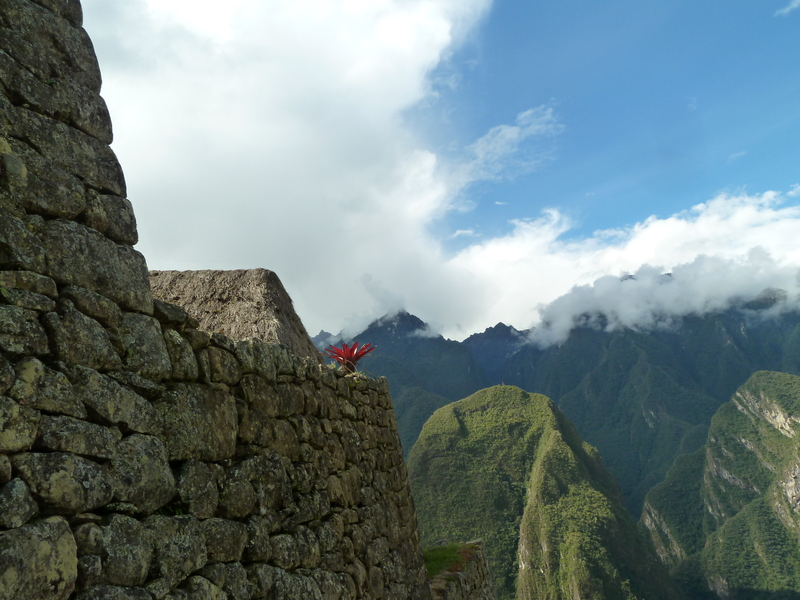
[40, 387]
[88, 538]
[17, 506]
[200, 588]
[289, 586]
[26, 299]
[181, 355]
[237, 496]
[38, 561]
[18, 426]
[66, 434]
[267, 477]
[80, 340]
[69, 484]
[19, 247]
[93, 305]
[29, 281]
[197, 489]
[180, 547]
[141, 474]
[111, 592]
[48, 190]
[145, 350]
[7, 375]
[5, 469]
[113, 271]
[232, 578]
[224, 366]
[127, 551]
[225, 539]
[199, 422]
[112, 216]
[168, 313]
[20, 331]
[70, 149]
[115, 404]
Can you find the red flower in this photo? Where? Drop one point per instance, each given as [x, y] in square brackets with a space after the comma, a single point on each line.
[348, 356]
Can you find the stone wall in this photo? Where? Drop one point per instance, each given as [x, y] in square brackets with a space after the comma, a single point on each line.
[141, 457]
[469, 581]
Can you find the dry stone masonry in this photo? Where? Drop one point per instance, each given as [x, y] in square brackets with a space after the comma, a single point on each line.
[141, 457]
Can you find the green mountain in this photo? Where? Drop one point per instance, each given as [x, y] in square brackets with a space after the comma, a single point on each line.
[726, 517]
[642, 398]
[508, 467]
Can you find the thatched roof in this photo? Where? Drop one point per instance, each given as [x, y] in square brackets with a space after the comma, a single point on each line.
[241, 304]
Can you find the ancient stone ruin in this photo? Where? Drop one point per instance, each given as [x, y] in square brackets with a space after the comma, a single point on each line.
[142, 457]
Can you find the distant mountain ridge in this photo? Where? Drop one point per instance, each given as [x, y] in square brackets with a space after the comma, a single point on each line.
[641, 398]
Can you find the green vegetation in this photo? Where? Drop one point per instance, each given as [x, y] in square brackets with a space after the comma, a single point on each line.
[641, 398]
[449, 557]
[729, 507]
[507, 466]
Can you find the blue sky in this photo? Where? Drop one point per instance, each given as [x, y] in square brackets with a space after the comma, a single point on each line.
[470, 161]
[664, 104]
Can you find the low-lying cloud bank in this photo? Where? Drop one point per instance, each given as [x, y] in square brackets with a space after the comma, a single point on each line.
[717, 254]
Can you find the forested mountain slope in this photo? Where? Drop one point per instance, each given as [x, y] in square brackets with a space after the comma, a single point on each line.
[508, 467]
[641, 398]
[726, 517]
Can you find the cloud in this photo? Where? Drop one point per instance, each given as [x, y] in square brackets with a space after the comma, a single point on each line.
[652, 299]
[737, 155]
[464, 233]
[794, 4]
[794, 191]
[518, 276]
[273, 135]
[496, 155]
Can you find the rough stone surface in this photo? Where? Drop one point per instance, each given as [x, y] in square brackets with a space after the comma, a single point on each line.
[40, 387]
[29, 281]
[80, 340]
[181, 355]
[145, 350]
[180, 547]
[38, 561]
[200, 422]
[68, 484]
[197, 488]
[141, 474]
[19, 247]
[115, 404]
[18, 426]
[241, 304]
[127, 551]
[67, 434]
[113, 271]
[17, 506]
[94, 305]
[20, 332]
[113, 216]
[472, 582]
[26, 299]
[225, 539]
